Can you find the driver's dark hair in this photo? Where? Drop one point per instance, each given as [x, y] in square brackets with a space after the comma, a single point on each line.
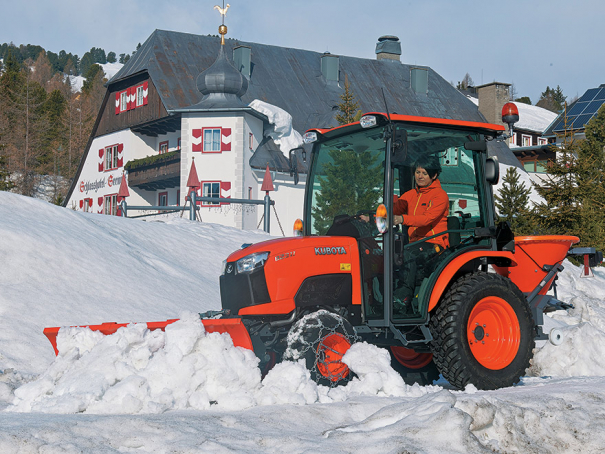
[430, 163]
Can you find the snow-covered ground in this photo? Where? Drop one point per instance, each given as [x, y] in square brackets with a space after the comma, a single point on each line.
[184, 390]
[110, 70]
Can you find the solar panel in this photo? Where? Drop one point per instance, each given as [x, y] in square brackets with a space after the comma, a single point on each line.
[581, 121]
[590, 94]
[593, 107]
[577, 108]
[580, 113]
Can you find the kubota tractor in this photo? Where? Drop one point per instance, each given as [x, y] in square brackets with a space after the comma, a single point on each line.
[477, 306]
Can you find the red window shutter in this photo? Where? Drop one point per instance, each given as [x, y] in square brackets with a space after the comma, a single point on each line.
[196, 142]
[120, 155]
[101, 159]
[81, 204]
[226, 139]
[128, 103]
[100, 200]
[117, 103]
[145, 92]
[225, 191]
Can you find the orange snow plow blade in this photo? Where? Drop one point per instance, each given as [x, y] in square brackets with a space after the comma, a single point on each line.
[232, 326]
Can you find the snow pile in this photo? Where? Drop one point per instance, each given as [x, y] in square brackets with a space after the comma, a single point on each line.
[137, 370]
[582, 352]
[283, 134]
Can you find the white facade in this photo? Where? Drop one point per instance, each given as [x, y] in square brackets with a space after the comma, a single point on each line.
[223, 169]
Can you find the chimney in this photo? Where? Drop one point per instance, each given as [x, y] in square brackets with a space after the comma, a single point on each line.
[492, 98]
[242, 60]
[329, 67]
[388, 48]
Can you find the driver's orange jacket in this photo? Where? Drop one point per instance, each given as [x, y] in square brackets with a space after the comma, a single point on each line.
[425, 212]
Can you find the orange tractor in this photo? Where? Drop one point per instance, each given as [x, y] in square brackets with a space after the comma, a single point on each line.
[477, 306]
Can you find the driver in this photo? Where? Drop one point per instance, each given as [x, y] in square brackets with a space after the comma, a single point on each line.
[424, 210]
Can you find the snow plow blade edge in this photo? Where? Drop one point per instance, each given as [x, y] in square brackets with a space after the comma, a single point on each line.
[232, 326]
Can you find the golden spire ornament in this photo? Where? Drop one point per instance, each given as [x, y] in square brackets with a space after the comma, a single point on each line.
[222, 28]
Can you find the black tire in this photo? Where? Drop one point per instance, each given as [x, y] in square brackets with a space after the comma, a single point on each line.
[462, 348]
[322, 338]
[424, 375]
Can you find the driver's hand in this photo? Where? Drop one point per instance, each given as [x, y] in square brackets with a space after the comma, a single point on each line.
[397, 219]
[364, 217]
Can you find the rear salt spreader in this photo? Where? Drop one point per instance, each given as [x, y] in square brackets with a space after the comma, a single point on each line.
[477, 306]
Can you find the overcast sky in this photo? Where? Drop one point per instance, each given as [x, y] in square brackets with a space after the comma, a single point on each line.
[530, 43]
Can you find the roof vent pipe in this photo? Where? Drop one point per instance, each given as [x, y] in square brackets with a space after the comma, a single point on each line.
[329, 67]
[388, 48]
[243, 60]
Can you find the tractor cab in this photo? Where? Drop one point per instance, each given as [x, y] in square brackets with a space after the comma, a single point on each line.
[357, 168]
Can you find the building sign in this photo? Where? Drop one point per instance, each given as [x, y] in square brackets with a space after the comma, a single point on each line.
[95, 185]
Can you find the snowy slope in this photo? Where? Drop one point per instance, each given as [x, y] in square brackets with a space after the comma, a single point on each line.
[186, 391]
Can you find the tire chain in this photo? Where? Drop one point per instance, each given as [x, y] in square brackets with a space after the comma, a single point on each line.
[313, 321]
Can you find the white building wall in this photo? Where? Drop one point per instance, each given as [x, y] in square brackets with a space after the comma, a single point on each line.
[97, 184]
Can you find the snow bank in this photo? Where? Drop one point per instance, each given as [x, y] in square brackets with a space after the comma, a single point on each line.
[283, 134]
[137, 370]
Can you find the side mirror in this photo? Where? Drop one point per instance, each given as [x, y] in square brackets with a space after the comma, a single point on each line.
[492, 170]
[400, 146]
[294, 162]
[476, 145]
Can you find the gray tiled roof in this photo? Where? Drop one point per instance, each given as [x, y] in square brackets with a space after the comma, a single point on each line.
[292, 80]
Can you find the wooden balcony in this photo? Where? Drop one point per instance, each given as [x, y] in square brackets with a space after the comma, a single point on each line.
[155, 172]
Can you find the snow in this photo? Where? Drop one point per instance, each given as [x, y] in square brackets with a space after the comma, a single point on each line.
[524, 178]
[284, 136]
[110, 70]
[186, 390]
[533, 118]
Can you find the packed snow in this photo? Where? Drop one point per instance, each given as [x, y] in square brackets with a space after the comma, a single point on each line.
[283, 134]
[187, 390]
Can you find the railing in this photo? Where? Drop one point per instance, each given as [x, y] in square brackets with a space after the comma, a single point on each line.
[193, 207]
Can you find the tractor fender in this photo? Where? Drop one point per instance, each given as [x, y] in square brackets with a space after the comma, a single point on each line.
[455, 265]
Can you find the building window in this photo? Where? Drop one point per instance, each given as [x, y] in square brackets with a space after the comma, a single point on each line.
[212, 140]
[529, 166]
[513, 139]
[178, 196]
[86, 204]
[164, 147]
[542, 141]
[251, 141]
[178, 144]
[211, 189]
[111, 157]
[526, 140]
[111, 205]
[140, 98]
[541, 166]
[163, 199]
[124, 101]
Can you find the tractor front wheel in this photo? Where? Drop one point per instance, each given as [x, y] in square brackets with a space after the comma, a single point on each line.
[483, 332]
[322, 338]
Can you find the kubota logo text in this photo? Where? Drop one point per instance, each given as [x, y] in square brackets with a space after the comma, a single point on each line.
[338, 250]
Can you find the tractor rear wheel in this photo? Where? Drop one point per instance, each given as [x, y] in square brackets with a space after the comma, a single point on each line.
[483, 332]
[322, 338]
[414, 367]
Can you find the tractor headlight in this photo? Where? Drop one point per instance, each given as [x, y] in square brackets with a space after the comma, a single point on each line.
[251, 262]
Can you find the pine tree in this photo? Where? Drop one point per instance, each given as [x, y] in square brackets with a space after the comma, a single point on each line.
[348, 187]
[348, 109]
[513, 203]
[5, 182]
[560, 212]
